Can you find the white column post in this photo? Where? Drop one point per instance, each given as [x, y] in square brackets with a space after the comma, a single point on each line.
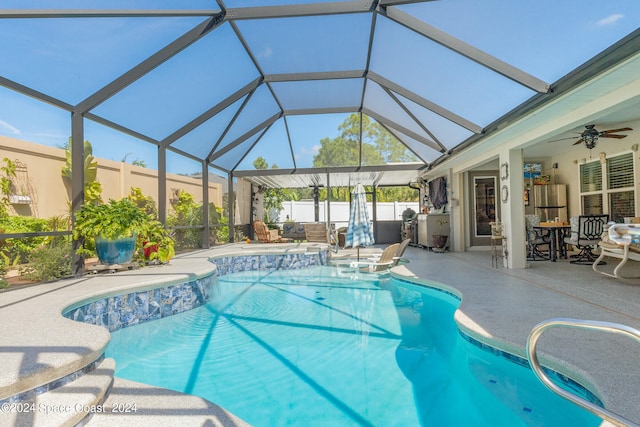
[512, 207]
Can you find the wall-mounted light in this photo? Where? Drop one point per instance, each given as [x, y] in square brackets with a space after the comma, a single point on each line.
[634, 147]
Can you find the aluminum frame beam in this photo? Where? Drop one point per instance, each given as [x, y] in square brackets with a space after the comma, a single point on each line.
[466, 50]
[211, 112]
[441, 111]
[25, 90]
[331, 169]
[319, 75]
[296, 10]
[327, 110]
[401, 128]
[399, 138]
[414, 118]
[104, 13]
[244, 137]
[150, 63]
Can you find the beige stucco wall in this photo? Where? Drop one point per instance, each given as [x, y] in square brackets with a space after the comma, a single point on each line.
[42, 181]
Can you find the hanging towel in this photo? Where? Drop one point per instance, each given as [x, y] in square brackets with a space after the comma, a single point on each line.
[438, 192]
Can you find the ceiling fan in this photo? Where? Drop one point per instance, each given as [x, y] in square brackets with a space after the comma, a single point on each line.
[589, 137]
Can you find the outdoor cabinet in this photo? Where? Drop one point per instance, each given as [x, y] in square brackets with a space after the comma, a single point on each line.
[429, 225]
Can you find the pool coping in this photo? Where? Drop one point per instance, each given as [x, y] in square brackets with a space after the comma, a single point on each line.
[31, 358]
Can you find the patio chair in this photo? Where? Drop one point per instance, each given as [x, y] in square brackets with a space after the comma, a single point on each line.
[586, 232]
[265, 235]
[317, 232]
[535, 239]
[386, 261]
[400, 252]
[619, 241]
[402, 246]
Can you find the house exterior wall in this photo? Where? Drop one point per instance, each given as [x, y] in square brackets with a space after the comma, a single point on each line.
[49, 192]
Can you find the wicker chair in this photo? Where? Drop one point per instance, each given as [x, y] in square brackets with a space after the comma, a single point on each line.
[264, 235]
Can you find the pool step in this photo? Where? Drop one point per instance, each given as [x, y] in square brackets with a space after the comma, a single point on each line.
[67, 405]
[133, 404]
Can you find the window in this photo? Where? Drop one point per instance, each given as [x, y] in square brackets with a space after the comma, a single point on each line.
[614, 183]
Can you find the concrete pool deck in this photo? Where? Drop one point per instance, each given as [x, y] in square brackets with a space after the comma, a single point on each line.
[499, 307]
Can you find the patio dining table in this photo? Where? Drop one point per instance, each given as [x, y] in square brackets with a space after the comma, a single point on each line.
[557, 231]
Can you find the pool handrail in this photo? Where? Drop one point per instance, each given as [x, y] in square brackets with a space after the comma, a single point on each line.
[532, 342]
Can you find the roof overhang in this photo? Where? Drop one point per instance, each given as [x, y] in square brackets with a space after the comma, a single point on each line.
[380, 176]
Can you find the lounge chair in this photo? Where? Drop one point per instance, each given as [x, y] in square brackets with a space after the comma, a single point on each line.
[617, 242]
[400, 251]
[387, 260]
[265, 235]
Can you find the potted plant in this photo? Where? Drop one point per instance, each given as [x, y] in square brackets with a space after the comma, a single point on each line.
[113, 226]
[439, 239]
[157, 244]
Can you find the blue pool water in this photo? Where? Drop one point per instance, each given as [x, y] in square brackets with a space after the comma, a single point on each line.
[313, 347]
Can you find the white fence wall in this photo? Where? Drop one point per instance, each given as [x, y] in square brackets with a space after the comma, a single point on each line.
[302, 211]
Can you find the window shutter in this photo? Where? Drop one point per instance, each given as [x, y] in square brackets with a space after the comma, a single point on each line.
[620, 171]
[621, 204]
[591, 177]
[592, 204]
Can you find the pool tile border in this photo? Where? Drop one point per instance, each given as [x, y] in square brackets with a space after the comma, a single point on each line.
[29, 395]
[124, 310]
[121, 311]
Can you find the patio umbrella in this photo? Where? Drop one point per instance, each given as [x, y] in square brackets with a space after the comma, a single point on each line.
[359, 230]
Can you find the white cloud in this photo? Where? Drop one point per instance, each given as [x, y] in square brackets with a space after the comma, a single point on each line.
[609, 20]
[266, 53]
[12, 130]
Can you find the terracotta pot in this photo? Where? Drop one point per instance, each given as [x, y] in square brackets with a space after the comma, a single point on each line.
[439, 242]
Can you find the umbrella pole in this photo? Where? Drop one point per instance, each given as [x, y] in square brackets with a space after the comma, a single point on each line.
[358, 252]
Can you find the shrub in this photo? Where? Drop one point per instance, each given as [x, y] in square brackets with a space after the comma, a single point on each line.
[49, 263]
[16, 251]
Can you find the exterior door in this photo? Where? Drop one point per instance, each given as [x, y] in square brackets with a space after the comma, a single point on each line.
[484, 206]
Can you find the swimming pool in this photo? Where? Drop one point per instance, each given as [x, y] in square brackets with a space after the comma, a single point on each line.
[313, 347]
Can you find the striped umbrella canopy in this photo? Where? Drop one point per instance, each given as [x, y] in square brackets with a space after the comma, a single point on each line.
[359, 229]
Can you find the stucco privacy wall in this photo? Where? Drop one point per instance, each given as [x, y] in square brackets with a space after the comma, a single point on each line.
[49, 192]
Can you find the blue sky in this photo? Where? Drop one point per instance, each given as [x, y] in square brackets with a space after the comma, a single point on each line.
[71, 59]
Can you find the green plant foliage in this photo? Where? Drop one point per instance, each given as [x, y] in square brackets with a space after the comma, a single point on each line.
[8, 172]
[146, 203]
[155, 235]
[49, 262]
[92, 188]
[187, 213]
[273, 197]
[16, 251]
[118, 218]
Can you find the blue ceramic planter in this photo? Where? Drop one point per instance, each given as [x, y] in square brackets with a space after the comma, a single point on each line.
[118, 251]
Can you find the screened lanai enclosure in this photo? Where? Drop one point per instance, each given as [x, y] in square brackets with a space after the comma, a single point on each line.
[223, 83]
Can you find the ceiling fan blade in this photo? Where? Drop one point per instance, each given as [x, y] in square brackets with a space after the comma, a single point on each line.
[606, 135]
[578, 142]
[561, 139]
[616, 130]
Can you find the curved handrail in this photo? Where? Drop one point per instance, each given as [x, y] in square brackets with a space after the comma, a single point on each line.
[532, 341]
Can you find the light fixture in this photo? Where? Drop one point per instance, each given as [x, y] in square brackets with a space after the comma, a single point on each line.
[590, 137]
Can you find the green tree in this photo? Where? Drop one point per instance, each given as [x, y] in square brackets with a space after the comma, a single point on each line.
[378, 145]
[273, 197]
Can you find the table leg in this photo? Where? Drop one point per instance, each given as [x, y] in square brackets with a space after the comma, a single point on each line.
[552, 248]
